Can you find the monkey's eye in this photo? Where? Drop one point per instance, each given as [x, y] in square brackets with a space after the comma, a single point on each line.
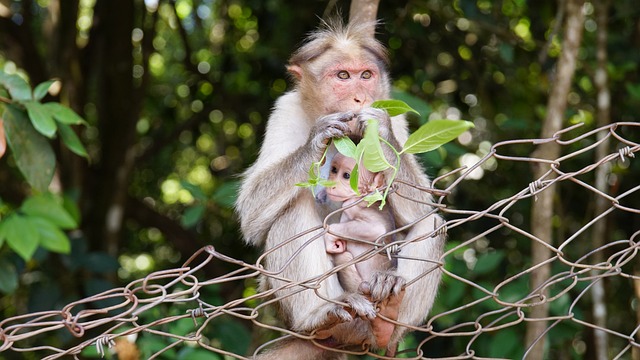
[366, 74]
[343, 74]
[346, 175]
[334, 170]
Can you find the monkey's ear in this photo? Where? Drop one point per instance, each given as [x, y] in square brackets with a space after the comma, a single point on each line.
[378, 180]
[296, 71]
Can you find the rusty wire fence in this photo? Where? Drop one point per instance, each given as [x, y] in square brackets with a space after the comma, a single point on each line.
[169, 304]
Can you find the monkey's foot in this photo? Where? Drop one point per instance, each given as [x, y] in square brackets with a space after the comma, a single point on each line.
[357, 306]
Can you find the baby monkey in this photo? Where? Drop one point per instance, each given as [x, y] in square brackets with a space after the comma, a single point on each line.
[361, 222]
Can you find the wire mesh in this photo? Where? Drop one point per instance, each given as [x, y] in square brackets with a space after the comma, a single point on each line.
[478, 239]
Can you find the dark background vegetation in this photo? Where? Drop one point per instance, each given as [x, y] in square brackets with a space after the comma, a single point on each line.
[176, 95]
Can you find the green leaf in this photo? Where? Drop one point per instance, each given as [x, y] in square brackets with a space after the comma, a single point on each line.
[190, 353]
[353, 180]
[420, 105]
[192, 215]
[488, 262]
[393, 107]
[345, 146]
[49, 207]
[372, 155]
[226, 194]
[18, 88]
[234, 336]
[71, 207]
[305, 184]
[64, 114]
[32, 152]
[71, 140]
[22, 235]
[194, 190]
[51, 237]
[434, 134]
[42, 89]
[3, 139]
[373, 198]
[326, 183]
[8, 277]
[41, 118]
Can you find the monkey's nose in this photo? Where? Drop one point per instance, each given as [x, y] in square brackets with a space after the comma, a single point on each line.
[360, 99]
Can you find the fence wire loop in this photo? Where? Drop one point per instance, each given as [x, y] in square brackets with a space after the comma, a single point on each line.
[480, 301]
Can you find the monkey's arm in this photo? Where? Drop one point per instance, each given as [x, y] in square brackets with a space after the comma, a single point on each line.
[291, 144]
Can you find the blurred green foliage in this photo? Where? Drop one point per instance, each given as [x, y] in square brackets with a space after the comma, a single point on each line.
[176, 95]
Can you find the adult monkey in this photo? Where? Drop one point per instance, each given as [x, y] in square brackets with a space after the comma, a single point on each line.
[338, 72]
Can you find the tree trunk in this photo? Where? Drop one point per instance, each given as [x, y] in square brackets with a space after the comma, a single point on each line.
[542, 209]
[602, 173]
[364, 11]
[114, 20]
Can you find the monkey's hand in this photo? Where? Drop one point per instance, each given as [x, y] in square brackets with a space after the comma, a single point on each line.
[382, 285]
[328, 127]
[386, 289]
[381, 116]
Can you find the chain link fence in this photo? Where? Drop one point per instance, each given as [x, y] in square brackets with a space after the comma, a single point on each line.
[484, 244]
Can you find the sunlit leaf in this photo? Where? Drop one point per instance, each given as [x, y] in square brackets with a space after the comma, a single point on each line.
[21, 235]
[71, 140]
[51, 237]
[18, 88]
[353, 180]
[393, 107]
[373, 198]
[49, 207]
[32, 152]
[63, 114]
[8, 277]
[3, 139]
[194, 190]
[326, 183]
[434, 134]
[42, 89]
[372, 155]
[345, 146]
[305, 184]
[418, 104]
[41, 119]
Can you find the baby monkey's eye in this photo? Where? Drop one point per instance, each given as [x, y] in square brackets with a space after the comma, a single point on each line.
[334, 170]
[343, 74]
[346, 176]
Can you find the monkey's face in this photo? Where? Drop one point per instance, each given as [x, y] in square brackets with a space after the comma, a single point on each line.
[340, 173]
[351, 86]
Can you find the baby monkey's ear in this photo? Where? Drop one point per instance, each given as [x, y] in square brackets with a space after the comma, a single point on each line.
[378, 181]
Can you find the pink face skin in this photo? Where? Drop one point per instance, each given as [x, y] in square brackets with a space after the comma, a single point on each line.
[349, 85]
[341, 167]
